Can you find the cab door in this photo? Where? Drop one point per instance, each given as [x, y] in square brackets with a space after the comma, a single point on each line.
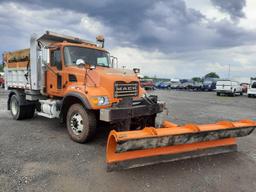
[54, 82]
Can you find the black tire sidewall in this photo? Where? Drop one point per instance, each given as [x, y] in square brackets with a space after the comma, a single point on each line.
[84, 136]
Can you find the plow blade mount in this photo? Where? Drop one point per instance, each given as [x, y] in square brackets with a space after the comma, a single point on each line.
[151, 145]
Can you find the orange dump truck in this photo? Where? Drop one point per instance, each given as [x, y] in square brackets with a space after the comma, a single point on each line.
[75, 80]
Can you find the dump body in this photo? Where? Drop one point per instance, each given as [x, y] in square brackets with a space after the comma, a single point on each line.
[16, 69]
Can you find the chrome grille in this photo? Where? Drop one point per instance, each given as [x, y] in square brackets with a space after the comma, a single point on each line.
[123, 89]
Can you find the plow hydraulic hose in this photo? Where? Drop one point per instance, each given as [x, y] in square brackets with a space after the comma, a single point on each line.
[172, 142]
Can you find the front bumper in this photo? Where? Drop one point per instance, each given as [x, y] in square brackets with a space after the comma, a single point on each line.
[122, 113]
[224, 91]
[251, 92]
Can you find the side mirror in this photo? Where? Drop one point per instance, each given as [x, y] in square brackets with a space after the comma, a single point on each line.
[80, 62]
[136, 70]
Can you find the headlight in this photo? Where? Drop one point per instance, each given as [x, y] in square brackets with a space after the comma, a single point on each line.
[100, 100]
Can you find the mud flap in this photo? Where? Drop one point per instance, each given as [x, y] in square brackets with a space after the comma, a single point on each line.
[151, 146]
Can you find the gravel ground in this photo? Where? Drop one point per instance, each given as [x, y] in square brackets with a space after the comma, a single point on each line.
[37, 154]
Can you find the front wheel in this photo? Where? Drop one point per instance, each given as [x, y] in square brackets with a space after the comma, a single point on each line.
[81, 123]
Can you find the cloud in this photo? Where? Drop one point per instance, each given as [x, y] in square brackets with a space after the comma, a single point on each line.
[233, 7]
[150, 63]
[17, 27]
[167, 26]
[190, 64]
[163, 38]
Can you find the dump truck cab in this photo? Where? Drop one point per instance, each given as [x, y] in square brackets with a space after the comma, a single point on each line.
[75, 80]
[67, 67]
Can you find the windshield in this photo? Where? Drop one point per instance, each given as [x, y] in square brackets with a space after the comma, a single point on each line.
[207, 82]
[90, 56]
[224, 82]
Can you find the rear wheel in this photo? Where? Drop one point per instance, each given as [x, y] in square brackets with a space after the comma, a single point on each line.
[19, 112]
[81, 123]
[218, 94]
[234, 93]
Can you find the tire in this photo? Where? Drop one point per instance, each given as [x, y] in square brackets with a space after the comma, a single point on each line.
[218, 94]
[249, 95]
[19, 112]
[81, 123]
[234, 93]
[241, 93]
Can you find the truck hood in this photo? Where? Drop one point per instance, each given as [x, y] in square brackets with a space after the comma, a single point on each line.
[116, 72]
[105, 78]
[102, 75]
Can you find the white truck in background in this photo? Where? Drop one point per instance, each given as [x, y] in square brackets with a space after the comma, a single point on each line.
[252, 88]
[228, 87]
[175, 83]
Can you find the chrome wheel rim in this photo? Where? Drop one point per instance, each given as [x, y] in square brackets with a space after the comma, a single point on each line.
[76, 123]
[14, 107]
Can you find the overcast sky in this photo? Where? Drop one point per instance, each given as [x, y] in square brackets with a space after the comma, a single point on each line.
[171, 38]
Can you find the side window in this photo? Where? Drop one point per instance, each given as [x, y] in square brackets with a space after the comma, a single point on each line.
[56, 59]
[254, 85]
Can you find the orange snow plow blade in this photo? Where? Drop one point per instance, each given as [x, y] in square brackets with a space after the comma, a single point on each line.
[151, 145]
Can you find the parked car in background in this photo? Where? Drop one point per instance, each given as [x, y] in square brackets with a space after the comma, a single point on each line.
[2, 80]
[188, 85]
[157, 84]
[209, 84]
[147, 84]
[175, 83]
[228, 87]
[191, 85]
[165, 85]
[252, 88]
[245, 87]
[182, 83]
[197, 86]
